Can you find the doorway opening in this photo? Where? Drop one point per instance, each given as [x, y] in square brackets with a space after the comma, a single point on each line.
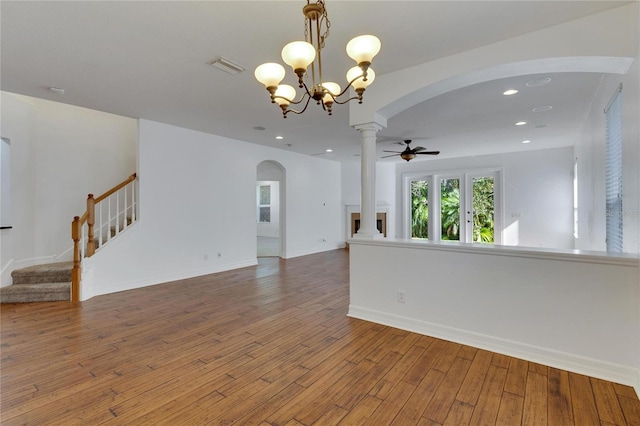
[270, 209]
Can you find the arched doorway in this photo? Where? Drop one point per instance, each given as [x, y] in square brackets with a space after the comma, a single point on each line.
[270, 212]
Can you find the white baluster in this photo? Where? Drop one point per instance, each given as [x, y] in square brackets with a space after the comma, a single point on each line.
[100, 227]
[133, 201]
[125, 208]
[109, 216]
[117, 194]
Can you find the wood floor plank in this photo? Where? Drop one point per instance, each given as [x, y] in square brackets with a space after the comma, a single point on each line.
[511, 409]
[269, 345]
[486, 409]
[475, 377]
[607, 404]
[412, 411]
[362, 411]
[560, 410]
[459, 415]
[441, 403]
[535, 399]
[391, 405]
[517, 377]
[585, 412]
[631, 410]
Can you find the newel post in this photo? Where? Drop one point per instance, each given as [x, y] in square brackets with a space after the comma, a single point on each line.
[75, 271]
[91, 215]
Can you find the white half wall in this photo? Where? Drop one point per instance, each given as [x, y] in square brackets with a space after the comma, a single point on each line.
[577, 312]
[198, 210]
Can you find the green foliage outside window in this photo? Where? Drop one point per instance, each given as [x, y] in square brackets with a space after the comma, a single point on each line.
[483, 212]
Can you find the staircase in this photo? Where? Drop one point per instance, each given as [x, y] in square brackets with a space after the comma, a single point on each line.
[105, 218]
[41, 283]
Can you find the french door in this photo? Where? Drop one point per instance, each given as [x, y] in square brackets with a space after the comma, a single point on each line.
[463, 206]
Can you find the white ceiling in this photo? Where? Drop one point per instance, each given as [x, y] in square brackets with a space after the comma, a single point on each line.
[147, 59]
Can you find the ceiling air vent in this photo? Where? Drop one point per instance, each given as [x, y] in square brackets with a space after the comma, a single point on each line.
[227, 66]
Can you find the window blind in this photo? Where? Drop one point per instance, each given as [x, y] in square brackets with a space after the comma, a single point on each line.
[613, 117]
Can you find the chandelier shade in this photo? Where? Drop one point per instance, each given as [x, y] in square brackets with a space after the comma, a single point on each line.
[298, 55]
[270, 74]
[363, 48]
[305, 59]
[356, 76]
[284, 92]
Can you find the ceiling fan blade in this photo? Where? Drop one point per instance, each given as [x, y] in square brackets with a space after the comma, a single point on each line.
[419, 148]
[429, 152]
[397, 152]
[387, 156]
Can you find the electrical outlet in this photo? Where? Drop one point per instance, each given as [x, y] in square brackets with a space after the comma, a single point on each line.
[400, 296]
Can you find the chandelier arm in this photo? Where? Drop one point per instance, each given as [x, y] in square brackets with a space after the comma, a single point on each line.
[353, 98]
[358, 97]
[287, 111]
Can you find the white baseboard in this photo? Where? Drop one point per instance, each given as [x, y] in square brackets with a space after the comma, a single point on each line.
[590, 367]
[329, 247]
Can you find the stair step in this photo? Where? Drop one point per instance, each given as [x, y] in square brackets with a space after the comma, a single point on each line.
[46, 273]
[40, 292]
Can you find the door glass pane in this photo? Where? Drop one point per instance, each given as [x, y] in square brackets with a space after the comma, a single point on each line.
[419, 209]
[483, 209]
[450, 209]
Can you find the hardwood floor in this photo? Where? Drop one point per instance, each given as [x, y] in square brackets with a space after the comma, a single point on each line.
[270, 345]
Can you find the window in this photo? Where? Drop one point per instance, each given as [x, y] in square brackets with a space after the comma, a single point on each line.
[613, 118]
[466, 206]
[264, 203]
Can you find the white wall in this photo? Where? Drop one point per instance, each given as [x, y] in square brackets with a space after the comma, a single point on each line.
[196, 204]
[59, 154]
[537, 193]
[575, 312]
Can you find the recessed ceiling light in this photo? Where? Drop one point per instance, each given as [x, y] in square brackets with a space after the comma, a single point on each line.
[329, 150]
[526, 141]
[521, 123]
[510, 92]
[279, 137]
[538, 82]
[542, 108]
[259, 128]
[58, 90]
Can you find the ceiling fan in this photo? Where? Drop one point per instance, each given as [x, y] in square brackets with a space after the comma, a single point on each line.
[409, 153]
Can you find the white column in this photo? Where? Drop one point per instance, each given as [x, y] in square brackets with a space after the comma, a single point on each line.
[368, 227]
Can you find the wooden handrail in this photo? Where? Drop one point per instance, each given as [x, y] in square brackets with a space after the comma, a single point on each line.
[116, 188]
[87, 217]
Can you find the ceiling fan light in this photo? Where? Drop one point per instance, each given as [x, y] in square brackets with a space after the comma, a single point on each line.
[284, 95]
[363, 48]
[269, 74]
[356, 72]
[298, 54]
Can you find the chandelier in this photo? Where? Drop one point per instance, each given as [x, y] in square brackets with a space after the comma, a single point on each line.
[302, 55]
